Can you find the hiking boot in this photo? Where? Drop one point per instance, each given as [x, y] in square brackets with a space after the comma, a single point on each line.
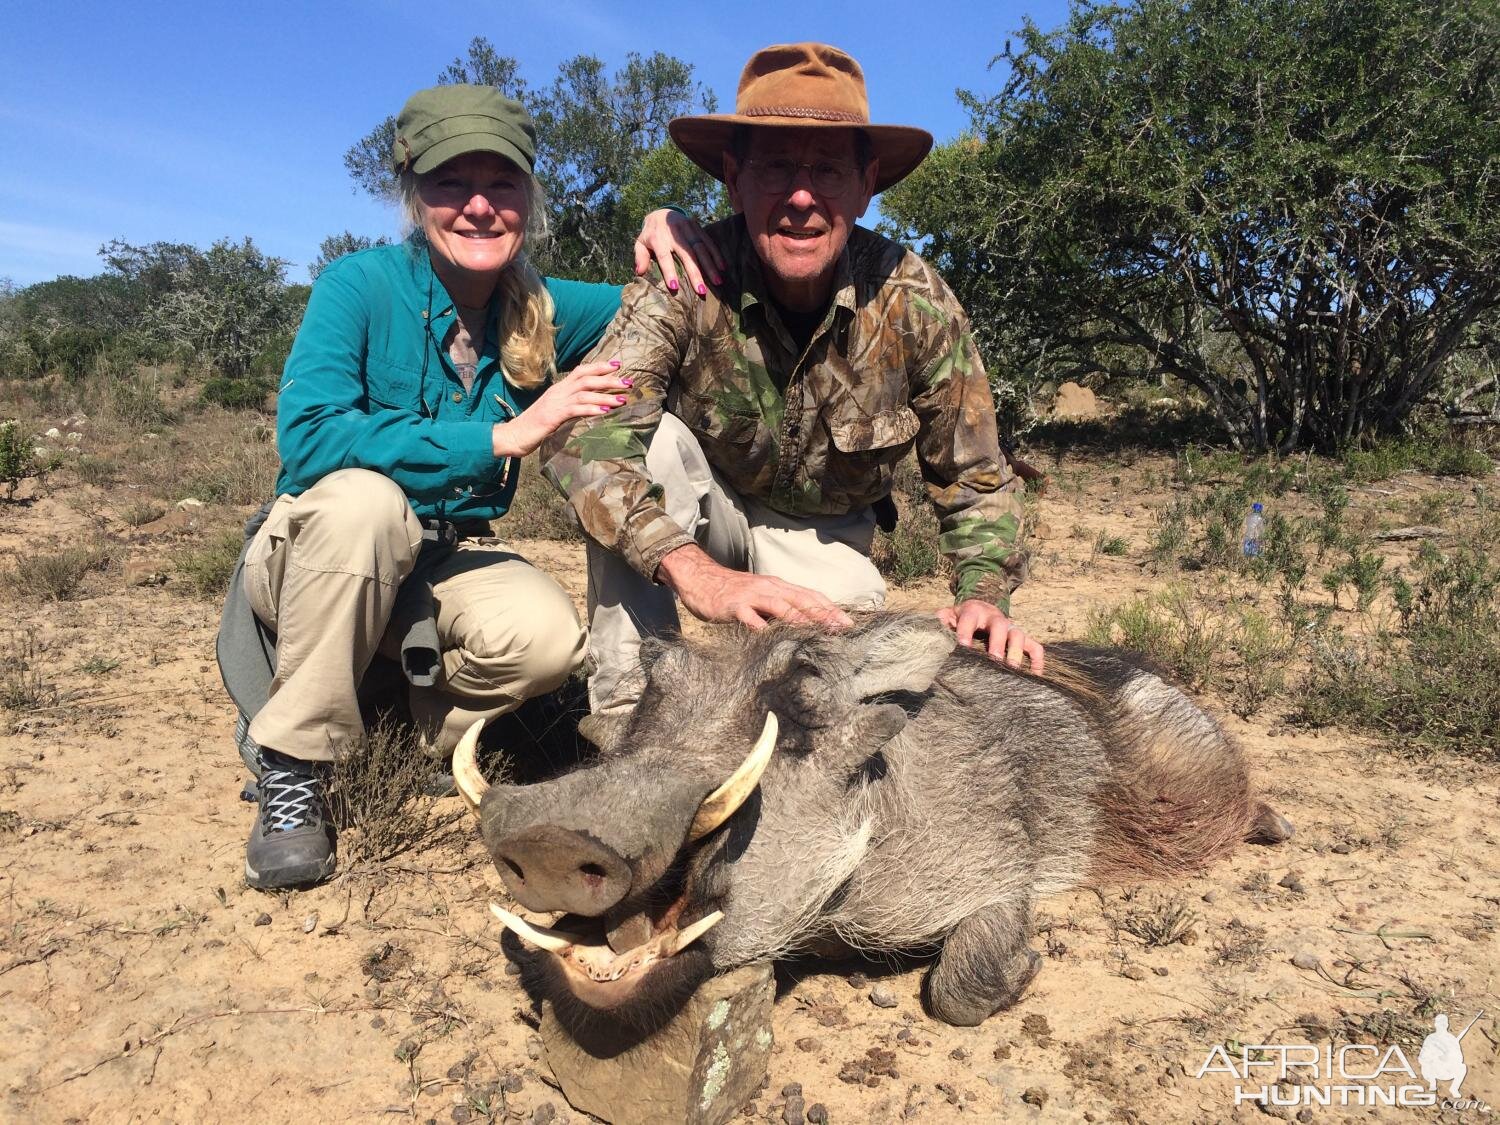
[292, 843]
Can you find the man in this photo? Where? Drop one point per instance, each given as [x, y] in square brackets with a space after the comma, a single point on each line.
[766, 416]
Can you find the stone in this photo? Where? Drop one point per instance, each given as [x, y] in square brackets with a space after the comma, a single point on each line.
[1306, 960]
[1075, 402]
[263, 920]
[1133, 972]
[794, 1112]
[145, 572]
[172, 523]
[1293, 882]
[700, 1068]
[1035, 1095]
[190, 504]
[882, 997]
[817, 1114]
[858, 980]
[310, 923]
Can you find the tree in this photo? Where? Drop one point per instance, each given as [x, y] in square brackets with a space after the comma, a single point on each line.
[335, 246]
[595, 134]
[1309, 182]
[228, 305]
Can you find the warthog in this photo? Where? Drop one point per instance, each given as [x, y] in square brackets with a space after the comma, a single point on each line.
[899, 795]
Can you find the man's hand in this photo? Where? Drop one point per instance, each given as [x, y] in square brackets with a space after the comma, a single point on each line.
[1004, 640]
[713, 592]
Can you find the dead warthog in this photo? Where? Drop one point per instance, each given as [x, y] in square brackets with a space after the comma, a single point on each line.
[897, 795]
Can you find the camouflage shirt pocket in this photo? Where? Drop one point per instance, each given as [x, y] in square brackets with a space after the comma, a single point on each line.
[865, 452]
[712, 421]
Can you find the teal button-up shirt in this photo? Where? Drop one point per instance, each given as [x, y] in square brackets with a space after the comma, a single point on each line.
[369, 385]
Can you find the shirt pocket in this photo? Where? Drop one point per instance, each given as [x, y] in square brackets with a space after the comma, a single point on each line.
[395, 386]
[865, 451]
[711, 421]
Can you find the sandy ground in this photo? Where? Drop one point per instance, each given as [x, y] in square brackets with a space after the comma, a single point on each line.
[141, 980]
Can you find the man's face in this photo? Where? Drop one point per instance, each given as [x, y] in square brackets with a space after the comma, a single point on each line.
[799, 218]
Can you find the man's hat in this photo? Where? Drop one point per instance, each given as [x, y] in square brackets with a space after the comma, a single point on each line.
[446, 121]
[805, 85]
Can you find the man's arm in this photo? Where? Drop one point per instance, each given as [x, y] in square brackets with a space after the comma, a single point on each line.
[975, 494]
[600, 464]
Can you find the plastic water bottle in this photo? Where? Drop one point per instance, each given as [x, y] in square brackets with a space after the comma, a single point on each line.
[1255, 527]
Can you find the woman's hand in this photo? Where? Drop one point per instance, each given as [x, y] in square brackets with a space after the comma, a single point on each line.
[594, 388]
[665, 233]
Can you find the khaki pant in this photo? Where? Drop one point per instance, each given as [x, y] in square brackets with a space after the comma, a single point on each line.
[830, 554]
[323, 572]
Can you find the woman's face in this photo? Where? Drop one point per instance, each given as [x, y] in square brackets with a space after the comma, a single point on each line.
[474, 210]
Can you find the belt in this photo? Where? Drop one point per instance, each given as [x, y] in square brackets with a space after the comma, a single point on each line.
[448, 532]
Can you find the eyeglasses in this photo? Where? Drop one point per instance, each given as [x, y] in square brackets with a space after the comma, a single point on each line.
[775, 176]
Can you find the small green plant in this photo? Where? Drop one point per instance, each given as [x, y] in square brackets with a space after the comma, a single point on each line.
[206, 569]
[1170, 629]
[1361, 571]
[22, 687]
[97, 471]
[1107, 544]
[907, 555]
[1169, 538]
[140, 512]
[16, 460]
[99, 665]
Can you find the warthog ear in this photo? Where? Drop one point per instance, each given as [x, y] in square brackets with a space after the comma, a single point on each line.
[898, 654]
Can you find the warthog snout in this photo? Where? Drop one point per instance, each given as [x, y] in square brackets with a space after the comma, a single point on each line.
[546, 867]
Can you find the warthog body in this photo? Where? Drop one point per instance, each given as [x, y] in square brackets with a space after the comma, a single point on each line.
[919, 799]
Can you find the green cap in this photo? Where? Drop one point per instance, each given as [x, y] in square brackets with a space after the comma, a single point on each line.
[446, 121]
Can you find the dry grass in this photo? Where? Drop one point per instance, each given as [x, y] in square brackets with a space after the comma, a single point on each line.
[55, 576]
[377, 786]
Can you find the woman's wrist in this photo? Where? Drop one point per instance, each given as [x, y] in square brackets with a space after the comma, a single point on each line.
[506, 440]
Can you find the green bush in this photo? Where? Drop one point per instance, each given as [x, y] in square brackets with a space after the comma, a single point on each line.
[53, 577]
[206, 569]
[236, 394]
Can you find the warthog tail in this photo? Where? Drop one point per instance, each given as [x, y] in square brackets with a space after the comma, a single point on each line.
[1178, 795]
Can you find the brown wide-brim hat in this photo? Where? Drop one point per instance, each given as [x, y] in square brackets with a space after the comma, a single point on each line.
[801, 85]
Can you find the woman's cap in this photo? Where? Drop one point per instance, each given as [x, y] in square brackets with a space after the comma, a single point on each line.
[446, 121]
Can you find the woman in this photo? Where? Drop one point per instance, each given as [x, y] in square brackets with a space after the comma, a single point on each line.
[421, 374]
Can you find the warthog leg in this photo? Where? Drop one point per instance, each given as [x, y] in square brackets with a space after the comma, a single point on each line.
[985, 965]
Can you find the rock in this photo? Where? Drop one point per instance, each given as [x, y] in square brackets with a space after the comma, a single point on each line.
[958, 1054]
[1133, 972]
[1035, 1095]
[534, 1048]
[792, 1090]
[699, 1069]
[263, 920]
[145, 572]
[807, 1043]
[792, 1113]
[1041, 530]
[1210, 896]
[882, 997]
[858, 980]
[817, 1114]
[1293, 882]
[1160, 970]
[190, 504]
[1035, 1024]
[170, 524]
[544, 1114]
[1341, 849]
[310, 923]
[1306, 960]
[1075, 402]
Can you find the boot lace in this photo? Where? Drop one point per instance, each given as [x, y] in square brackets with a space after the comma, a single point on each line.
[291, 800]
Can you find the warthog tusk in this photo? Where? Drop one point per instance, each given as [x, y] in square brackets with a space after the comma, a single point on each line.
[551, 940]
[720, 805]
[686, 937]
[466, 776]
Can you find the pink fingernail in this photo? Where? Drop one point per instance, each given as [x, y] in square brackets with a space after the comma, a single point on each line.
[672, 285]
[614, 363]
[605, 409]
[627, 380]
[620, 399]
[702, 292]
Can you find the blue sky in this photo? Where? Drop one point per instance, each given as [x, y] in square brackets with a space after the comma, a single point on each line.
[189, 122]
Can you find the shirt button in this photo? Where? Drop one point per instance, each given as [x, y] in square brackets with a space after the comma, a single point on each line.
[458, 396]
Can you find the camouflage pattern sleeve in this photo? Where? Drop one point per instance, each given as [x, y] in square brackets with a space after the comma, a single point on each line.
[600, 465]
[977, 497]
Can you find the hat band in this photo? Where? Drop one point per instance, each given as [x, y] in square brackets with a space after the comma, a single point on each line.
[807, 112]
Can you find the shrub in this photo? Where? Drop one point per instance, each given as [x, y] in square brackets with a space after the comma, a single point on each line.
[378, 785]
[16, 459]
[53, 577]
[539, 511]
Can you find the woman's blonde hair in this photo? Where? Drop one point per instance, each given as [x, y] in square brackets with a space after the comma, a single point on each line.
[528, 352]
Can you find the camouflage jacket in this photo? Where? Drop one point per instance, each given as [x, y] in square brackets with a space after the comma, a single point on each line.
[817, 432]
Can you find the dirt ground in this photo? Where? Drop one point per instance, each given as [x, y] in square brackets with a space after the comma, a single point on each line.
[141, 980]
